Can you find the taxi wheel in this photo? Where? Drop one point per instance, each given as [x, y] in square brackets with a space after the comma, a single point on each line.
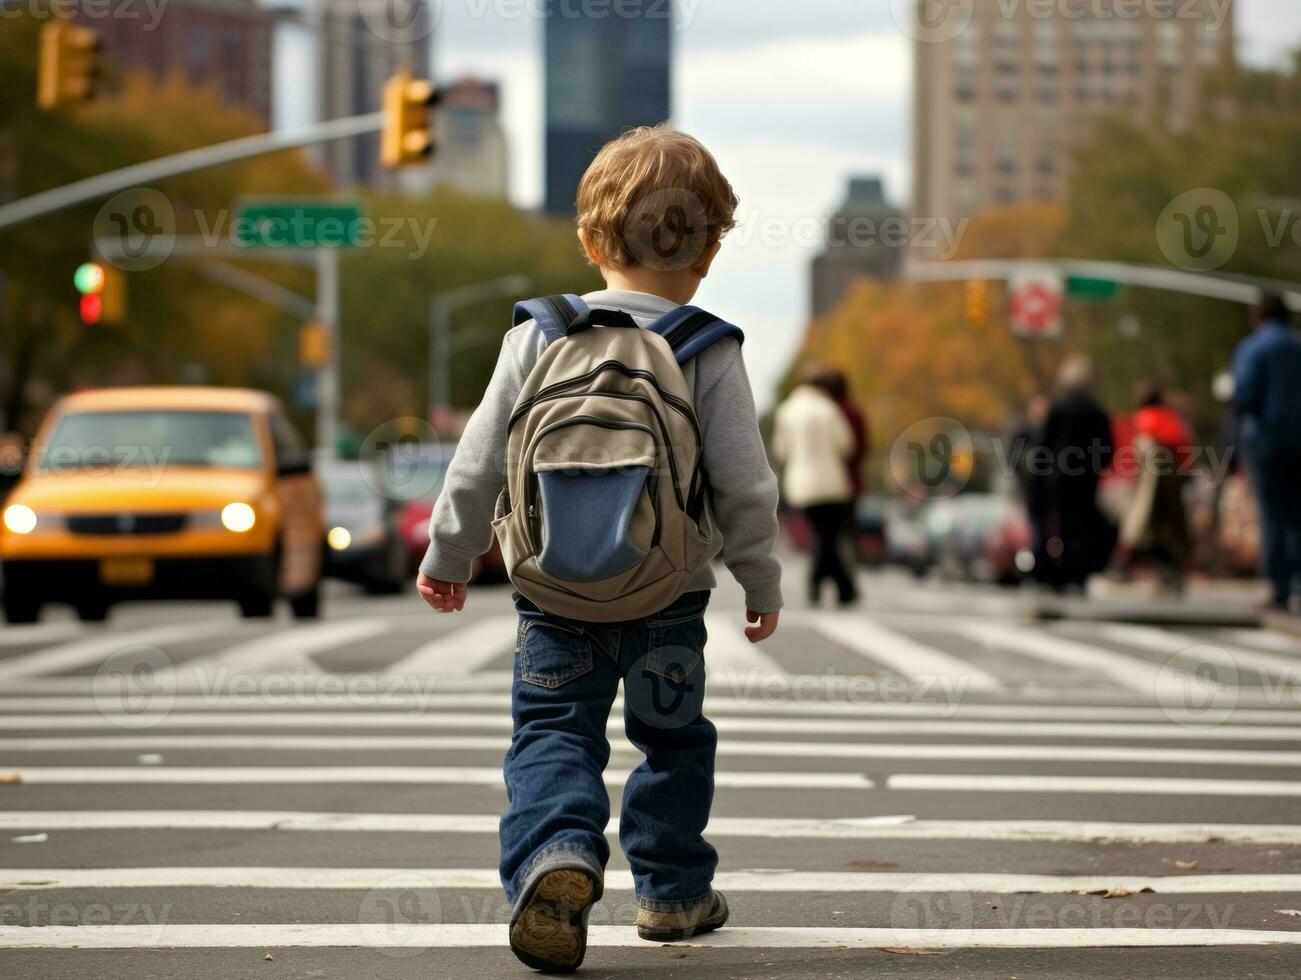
[92, 610]
[21, 609]
[307, 605]
[257, 605]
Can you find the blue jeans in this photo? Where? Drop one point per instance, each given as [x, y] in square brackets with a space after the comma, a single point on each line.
[566, 677]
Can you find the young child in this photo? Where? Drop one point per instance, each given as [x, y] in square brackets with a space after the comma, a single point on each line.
[652, 211]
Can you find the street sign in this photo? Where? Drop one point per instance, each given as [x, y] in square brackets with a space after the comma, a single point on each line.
[299, 223]
[1036, 301]
[1097, 290]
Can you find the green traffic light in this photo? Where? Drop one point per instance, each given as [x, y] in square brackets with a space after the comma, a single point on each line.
[89, 278]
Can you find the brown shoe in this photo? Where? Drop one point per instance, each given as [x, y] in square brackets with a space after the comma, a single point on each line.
[550, 931]
[671, 927]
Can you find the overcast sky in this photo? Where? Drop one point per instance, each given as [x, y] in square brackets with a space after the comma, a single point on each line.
[793, 98]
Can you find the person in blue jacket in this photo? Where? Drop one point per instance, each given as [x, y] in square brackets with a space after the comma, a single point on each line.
[1267, 396]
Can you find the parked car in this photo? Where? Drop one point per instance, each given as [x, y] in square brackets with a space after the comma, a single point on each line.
[362, 541]
[414, 474]
[156, 493]
[982, 537]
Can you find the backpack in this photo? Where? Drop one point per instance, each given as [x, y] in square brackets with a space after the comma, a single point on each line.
[605, 515]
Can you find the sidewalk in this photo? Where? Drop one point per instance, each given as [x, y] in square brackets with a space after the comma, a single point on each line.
[1206, 602]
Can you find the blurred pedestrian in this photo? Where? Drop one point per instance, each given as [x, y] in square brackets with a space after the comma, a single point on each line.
[1155, 526]
[1073, 539]
[835, 384]
[1267, 395]
[815, 442]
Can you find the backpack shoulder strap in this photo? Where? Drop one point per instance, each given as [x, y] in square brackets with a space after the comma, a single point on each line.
[690, 330]
[553, 314]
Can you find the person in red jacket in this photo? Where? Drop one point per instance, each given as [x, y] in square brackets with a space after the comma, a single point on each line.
[1156, 526]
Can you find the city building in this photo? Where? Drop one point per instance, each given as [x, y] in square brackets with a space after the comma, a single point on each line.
[360, 44]
[1000, 106]
[472, 155]
[866, 239]
[219, 44]
[604, 74]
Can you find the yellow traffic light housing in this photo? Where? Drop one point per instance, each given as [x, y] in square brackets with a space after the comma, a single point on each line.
[977, 302]
[315, 349]
[69, 66]
[408, 135]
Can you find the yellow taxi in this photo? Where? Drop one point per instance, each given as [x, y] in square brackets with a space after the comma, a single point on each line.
[143, 493]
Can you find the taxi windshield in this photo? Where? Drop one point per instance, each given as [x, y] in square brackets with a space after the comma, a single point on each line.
[92, 440]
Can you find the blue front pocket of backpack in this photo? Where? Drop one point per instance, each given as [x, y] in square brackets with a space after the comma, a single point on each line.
[587, 518]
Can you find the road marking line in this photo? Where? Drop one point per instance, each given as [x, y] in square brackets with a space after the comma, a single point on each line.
[730, 657]
[327, 878]
[999, 783]
[462, 651]
[381, 935]
[898, 827]
[1192, 650]
[1129, 672]
[353, 696]
[728, 725]
[12, 636]
[88, 650]
[810, 750]
[436, 775]
[1268, 640]
[788, 686]
[902, 654]
[288, 649]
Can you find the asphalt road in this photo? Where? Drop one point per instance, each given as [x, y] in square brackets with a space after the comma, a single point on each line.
[928, 785]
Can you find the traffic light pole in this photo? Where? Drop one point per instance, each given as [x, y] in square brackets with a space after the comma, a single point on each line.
[327, 375]
[108, 184]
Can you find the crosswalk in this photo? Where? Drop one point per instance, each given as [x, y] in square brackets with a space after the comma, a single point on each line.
[886, 781]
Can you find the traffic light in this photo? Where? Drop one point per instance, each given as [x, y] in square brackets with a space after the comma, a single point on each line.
[977, 302]
[103, 293]
[408, 135]
[69, 66]
[314, 345]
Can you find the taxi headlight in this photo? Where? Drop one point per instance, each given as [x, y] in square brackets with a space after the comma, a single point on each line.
[20, 519]
[238, 517]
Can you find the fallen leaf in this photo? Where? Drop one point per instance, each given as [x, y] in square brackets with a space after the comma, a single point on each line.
[907, 951]
[268, 957]
[1185, 865]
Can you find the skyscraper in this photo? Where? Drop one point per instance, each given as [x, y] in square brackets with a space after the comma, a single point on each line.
[604, 74]
[860, 244]
[1006, 93]
[225, 47]
[360, 44]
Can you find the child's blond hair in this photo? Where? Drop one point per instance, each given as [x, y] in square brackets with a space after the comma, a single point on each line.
[654, 197]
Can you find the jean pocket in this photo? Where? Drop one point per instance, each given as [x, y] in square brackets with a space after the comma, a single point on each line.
[677, 638]
[552, 654]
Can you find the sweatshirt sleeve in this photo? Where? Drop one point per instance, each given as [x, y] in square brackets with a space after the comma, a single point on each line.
[744, 489]
[460, 528]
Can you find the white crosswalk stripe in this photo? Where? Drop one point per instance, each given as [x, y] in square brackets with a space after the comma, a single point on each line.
[901, 654]
[976, 780]
[461, 652]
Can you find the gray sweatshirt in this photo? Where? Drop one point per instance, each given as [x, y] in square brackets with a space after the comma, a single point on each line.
[744, 500]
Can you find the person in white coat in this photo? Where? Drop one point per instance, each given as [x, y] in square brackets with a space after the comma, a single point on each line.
[813, 441]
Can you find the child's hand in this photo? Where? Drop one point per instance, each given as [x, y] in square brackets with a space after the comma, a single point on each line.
[443, 597]
[766, 628]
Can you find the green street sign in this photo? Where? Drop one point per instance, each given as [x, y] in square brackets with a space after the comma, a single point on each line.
[303, 223]
[1098, 290]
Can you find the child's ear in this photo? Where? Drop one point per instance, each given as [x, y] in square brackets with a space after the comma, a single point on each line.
[702, 264]
[590, 252]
